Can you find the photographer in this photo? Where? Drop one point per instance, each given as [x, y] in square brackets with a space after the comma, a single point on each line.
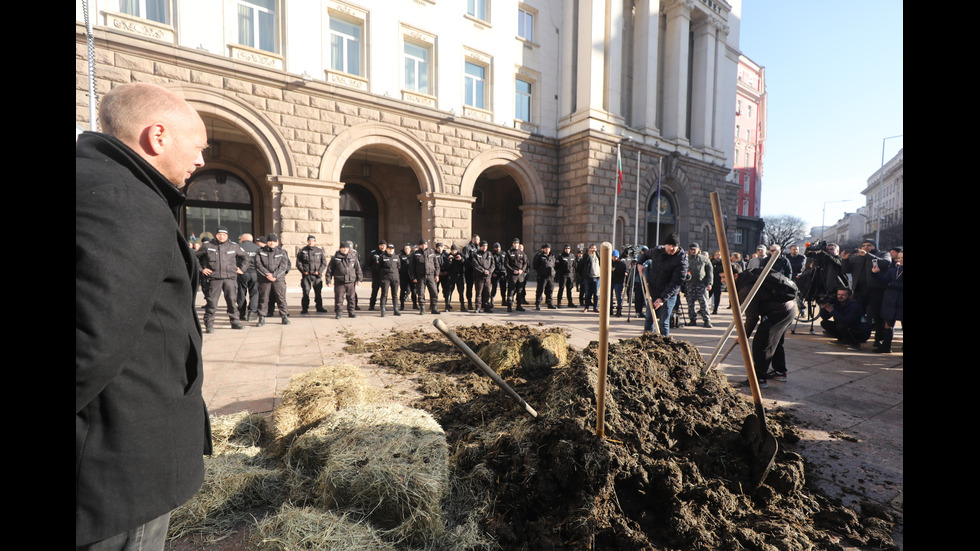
[867, 288]
[822, 274]
[844, 319]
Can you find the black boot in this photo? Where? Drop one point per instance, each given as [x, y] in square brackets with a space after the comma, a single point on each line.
[261, 321]
[285, 320]
[382, 311]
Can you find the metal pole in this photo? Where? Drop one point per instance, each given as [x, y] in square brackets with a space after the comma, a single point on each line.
[660, 174]
[636, 215]
[881, 176]
[619, 163]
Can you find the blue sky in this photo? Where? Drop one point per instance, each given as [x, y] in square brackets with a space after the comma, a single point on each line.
[834, 75]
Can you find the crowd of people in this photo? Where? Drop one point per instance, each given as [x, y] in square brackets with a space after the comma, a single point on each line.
[859, 292]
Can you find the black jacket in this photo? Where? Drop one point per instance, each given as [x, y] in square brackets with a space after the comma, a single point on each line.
[311, 260]
[272, 261]
[141, 426]
[345, 268]
[544, 265]
[666, 273]
[223, 259]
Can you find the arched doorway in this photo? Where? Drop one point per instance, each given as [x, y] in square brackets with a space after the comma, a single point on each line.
[497, 210]
[666, 204]
[217, 198]
[358, 218]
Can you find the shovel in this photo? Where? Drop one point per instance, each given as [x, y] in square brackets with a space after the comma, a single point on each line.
[761, 443]
[441, 326]
[649, 300]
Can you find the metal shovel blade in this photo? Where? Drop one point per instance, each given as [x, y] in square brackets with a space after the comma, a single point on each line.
[762, 448]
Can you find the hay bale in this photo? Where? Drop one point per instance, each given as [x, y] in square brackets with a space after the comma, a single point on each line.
[387, 462]
[501, 356]
[308, 528]
[241, 432]
[313, 395]
[236, 485]
[529, 356]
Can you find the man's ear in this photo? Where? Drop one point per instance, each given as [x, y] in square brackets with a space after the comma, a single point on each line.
[155, 138]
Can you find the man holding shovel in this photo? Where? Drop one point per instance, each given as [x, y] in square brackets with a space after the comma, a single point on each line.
[775, 305]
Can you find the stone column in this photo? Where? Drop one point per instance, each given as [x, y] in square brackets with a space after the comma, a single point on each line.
[306, 207]
[703, 82]
[675, 70]
[446, 217]
[646, 53]
[539, 226]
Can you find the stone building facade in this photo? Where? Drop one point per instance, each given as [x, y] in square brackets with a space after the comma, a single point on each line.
[512, 131]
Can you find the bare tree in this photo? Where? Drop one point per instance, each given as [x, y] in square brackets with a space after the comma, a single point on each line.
[783, 230]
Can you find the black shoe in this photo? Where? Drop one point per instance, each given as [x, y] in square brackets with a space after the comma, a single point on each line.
[285, 320]
[552, 307]
[382, 312]
[338, 315]
[708, 324]
[397, 312]
[435, 311]
[249, 316]
[321, 310]
[510, 308]
[209, 329]
[370, 308]
[235, 324]
[351, 315]
[520, 308]
[304, 311]
[261, 321]
[691, 324]
[537, 306]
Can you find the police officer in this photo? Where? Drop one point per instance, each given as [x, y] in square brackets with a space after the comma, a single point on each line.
[390, 268]
[564, 268]
[374, 265]
[272, 266]
[248, 282]
[516, 263]
[499, 277]
[453, 267]
[345, 272]
[312, 262]
[469, 250]
[221, 261]
[544, 266]
[425, 275]
[405, 277]
[483, 266]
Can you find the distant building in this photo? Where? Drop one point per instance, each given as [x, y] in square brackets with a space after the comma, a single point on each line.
[885, 196]
[750, 147]
[849, 230]
[437, 119]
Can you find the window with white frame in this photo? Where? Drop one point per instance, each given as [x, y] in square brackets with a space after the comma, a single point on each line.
[522, 100]
[346, 40]
[475, 85]
[154, 10]
[525, 24]
[417, 67]
[257, 23]
[477, 9]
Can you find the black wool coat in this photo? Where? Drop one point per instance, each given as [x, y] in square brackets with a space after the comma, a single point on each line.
[141, 425]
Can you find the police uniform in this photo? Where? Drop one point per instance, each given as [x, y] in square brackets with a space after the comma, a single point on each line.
[312, 262]
[272, 262]
[224, 260]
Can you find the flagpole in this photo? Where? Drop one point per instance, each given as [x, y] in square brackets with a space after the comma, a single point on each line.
[636, 215]
[660, 181]
[619, 180]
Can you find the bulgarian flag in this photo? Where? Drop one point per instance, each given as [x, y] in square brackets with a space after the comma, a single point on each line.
[619, 172]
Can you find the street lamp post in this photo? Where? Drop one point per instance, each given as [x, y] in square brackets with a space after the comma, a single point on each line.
[823, 217]
[881, 175]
